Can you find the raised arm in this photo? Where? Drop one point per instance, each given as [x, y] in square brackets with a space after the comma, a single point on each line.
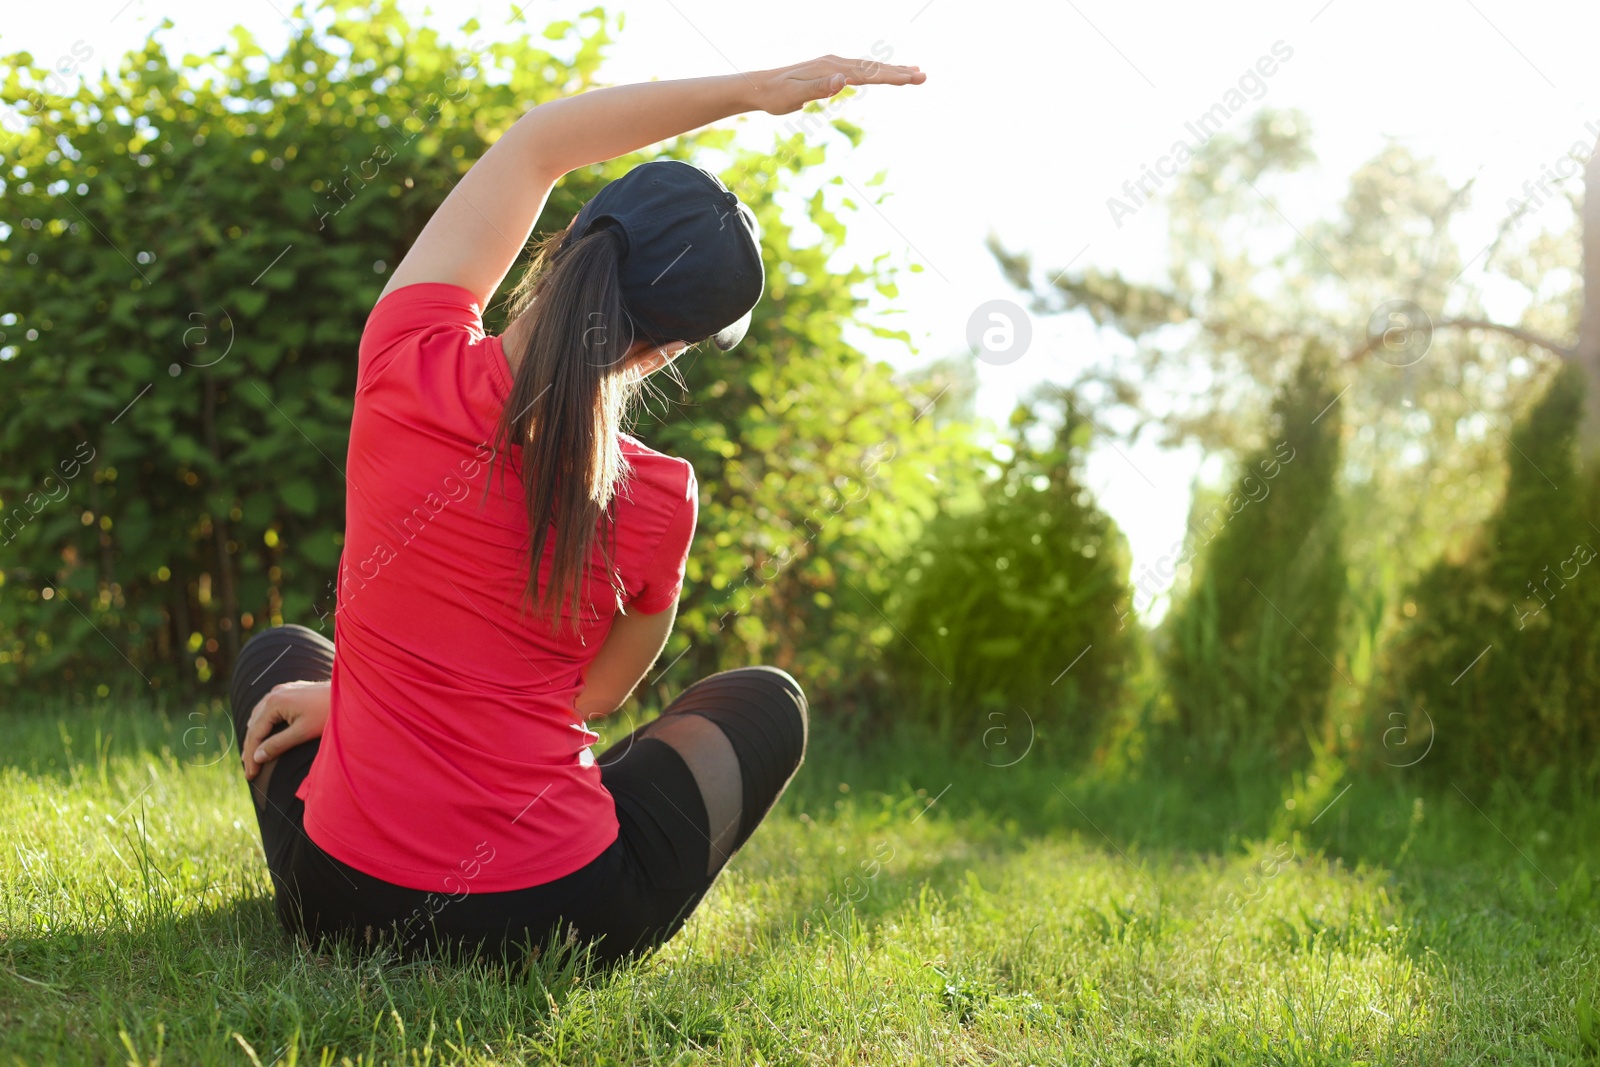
[475, 236]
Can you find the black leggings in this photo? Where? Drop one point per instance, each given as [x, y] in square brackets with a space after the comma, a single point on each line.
[631, 898]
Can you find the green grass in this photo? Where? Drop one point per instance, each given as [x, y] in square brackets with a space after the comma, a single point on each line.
[1031, 915]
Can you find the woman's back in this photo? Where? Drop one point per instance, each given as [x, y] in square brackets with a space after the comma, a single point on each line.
[453, 720]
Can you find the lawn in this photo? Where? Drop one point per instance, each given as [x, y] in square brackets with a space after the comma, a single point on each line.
[905, 903]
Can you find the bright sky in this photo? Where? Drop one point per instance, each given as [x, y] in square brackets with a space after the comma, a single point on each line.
[1034, 114]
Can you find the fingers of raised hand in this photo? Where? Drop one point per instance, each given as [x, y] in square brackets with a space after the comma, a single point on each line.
[827, 75]
[873, 72]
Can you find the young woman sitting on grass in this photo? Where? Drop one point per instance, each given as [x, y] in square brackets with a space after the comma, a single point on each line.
[512, 565]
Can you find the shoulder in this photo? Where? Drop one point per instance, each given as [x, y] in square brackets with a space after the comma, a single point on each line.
[669, 475]
[419, 312]
[662, 512]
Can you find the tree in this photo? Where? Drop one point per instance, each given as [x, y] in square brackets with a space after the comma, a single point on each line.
[1431, 380]
[1496, 670]
[1216, 334]
[1015, 604]
[1587, 351]
[1251, 648]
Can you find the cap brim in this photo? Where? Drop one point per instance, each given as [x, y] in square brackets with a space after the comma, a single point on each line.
[729, 336]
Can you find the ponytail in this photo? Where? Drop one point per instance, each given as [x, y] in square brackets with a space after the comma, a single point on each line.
[565, 410]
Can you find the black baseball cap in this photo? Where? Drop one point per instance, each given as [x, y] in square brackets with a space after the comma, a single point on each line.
[691, 259]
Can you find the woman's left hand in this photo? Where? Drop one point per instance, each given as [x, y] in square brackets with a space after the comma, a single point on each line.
[785, 89]
[302, 705]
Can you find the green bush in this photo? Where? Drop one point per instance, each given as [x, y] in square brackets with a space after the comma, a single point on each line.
[1249, 651]
[191, 248]
[195, 245]
[995, 605]
[1498, 671]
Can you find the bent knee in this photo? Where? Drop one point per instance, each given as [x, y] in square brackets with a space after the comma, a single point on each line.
[767, 700]
[785, 685]
[287, 631]
[271, 641]
[784, 679]
[790, 702]
[286, 652]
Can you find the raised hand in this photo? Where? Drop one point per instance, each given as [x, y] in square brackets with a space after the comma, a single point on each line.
[476, 235]
[784, 89]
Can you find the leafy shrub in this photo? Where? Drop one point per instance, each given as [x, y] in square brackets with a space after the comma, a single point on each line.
[1250, 649]
[202, 241]
[1498, 671]
[1019, 607]
[192, 248]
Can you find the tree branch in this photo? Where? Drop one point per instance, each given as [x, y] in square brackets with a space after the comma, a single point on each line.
[1525, 336]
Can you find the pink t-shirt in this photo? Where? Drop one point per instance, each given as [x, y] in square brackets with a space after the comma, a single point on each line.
[453, 733]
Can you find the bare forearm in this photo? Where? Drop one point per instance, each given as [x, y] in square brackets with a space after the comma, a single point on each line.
[480, 229]
[605, 123]
[633, 644]
[602, 124]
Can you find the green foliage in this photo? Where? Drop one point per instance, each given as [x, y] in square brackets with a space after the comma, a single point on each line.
[195, 245]
[202, 238]
[1250, 649]
[996, 604]
[1498, 671]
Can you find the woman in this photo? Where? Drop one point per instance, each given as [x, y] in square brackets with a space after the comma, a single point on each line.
[430, 781]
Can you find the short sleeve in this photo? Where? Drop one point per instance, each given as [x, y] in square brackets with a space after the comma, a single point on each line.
[411, 314]
[663, 578]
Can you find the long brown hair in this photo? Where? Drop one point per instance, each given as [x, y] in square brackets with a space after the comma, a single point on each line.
[567, 404]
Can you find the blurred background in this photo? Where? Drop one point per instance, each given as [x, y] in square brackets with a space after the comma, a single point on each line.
[1164, 383]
